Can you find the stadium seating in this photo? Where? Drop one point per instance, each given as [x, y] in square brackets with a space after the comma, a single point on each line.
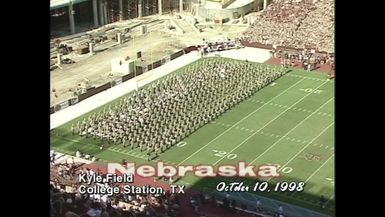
[295, 23]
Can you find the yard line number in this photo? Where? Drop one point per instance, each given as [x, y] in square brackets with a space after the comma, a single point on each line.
[223, 154]
[181, 144]
[312, 157]
[284, 170]
[310, 90]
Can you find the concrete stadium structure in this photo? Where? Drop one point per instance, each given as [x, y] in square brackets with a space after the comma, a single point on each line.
[74, 16]
[86, 35]
[228, 9]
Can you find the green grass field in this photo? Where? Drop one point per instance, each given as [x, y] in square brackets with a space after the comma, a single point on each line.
[289, 122]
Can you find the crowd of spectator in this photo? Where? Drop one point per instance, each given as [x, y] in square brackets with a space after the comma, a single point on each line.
[66, 201]
[295, 23]
[214, 46]
[309, 59]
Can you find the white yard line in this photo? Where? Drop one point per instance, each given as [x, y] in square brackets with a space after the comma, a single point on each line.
[266, 125]
[276, 142]
[319, 168]
[234, 125]
[304, 148]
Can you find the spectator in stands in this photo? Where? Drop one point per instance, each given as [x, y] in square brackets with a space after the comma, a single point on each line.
[280, 210]
[297, 24]
[258, 205]
[52, 155]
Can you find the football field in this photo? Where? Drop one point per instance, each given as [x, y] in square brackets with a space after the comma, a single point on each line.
[288, 123]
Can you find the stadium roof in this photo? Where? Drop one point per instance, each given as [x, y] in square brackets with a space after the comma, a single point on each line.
[54, 4]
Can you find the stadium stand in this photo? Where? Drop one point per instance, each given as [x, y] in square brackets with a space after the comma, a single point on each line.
[296, 24]
[67, 202]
